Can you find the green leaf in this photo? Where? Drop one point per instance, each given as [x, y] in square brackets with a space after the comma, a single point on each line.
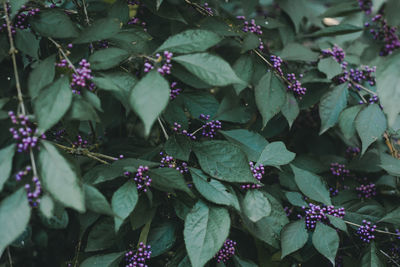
[326, 240]
[388, 87]
[201, 103]
[390, 12]
[268, 229]
[341, 9]
[370, 125]
[190, 41]
[47, 206]
[161, 238]
[100, 30]
[209, 68]
[16, 6]
[52, 104]
[44, 24]
[107, 58]
[223, 161]
[290, 110]
[26, 42]
[335, 30]
[298, 52]
[392, 217]
[179, 147]
[330, 67]
[120, 11]
[95, 201]
[296, 199]
[250, 41]
[213, 190]
[243, 263]
[232, 110]
[105, 260]
[41, 76]
[275, 154]
[167, 179]
[149, 98]
[123, 202]
[256, 205]
[251, 143]
[14, 217]
[311, 185]
[82, 110]
[371, 258]
[337, 222]
[206, 229]
[101, 236]
[390, 164]
[270, 96]
[332, 103]
[293, 237]
[244, 69]
[6, 161]
[346, 121]
[59, 178]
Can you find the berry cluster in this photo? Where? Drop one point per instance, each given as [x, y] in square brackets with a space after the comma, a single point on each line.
[210, 128]
[226, 252]
[366, 231]
[21, 19]
[366, 6]
[139, 258]
[316, 214]
[169, 162]
[381, 31]
[81, 78]
[23, 173]
[208, 8]
[366, 191]
[142, 180]
[373, 99]
[339, 170]
[295, 85]
[166, 63]
[25, 134]
[80, 142]
[251, 26]
[352, 152]
[33, 195]
[137, 21]
[358, 76]
[337, 53]
[258, 172]
[174, 92]
[178, 129]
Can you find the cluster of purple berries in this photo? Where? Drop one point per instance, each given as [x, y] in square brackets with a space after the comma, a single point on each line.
[23, 173]
[295, 85]
[226, 252]
[277, 63]
[358, 76]
[337, 53]
[366, 191]
[82, 78]
[366, 231]
[381, 31]
[373, 99]
[133, 2]
[25, 134]
[137, 21]
[178, 129]
[80, 142]
[169, 162]
[174, 92]
[21, 20]
[251, 26]
[352, 152]
[33, 195]
[208, 8]
[339, 170]
[258, 172]
[139, 258]
[316, 214]
[210, 128]
[166, 63]
[142, 180]
[366, 6]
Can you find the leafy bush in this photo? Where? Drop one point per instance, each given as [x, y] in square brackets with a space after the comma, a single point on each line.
[183, 133]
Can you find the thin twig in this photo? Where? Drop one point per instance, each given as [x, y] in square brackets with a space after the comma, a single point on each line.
[390, 258]
[13, 51]
[77, 252]
[33, 163]
[102, 156]
[163, 129]
[376, 230]
[9, 257]
[89, 155]
[85, 11]
[59, 47]
[363, 87]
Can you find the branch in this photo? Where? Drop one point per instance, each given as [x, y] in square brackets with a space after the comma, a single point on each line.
[390, 258]
[63, 53]
[163, 129]
[376, 230]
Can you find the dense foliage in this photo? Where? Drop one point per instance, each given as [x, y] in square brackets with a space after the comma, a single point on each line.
[186, 133]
